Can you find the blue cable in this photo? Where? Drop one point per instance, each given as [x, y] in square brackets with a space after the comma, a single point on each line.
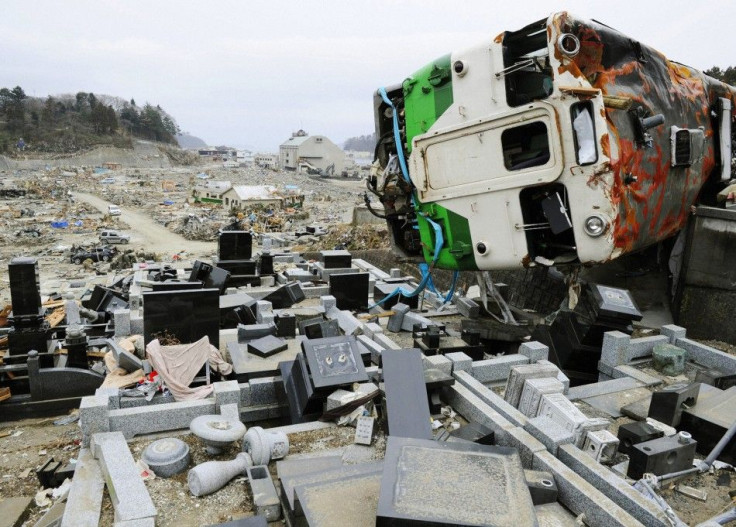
[439, 238]
[397, 135]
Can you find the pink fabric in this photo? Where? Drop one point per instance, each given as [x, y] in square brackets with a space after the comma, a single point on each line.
[179, 364]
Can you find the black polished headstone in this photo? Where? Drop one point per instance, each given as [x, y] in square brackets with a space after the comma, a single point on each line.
[285, 296]
[661, 456]
[175, 285]
[350, 290]
[25, 295]
[285, 325]
[210, 275]
[334, 361]
[382, 289]
[630, 434]
[336, 259]
[321, 329]
[267, 346]
[234, 245]
[265, 264]
[237, 267]
[303, 405]
[406, 393]
[187, 315]
[668, 404]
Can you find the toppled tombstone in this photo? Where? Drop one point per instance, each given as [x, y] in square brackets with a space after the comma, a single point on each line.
[211, 476]
[263, 446]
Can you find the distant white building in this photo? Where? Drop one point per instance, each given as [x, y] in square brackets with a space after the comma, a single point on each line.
[315, 153]
[210, 191]
[266, 160]
[244, 157]
[242, 196]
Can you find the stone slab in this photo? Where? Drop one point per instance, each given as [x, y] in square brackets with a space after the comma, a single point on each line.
[289, 483]
[160, 417]
[579, 496]
[350, 500]
[550, 433]
[520, 374]
[127, 490]
[613, 403]
[406, 394]
[498, 369]
[448, 483]
[602, 388]
[707, 356]
[531, 394]
[491, 398]
[613, 486]
[14, 511]
[534, 350]
[635, 373]
[472, 408]
[460, 361]
[84, 503]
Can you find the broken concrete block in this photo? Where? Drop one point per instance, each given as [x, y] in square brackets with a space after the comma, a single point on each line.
[226, 392]
[531, 395]
[127, 491]
[255, 331]
[128, 361]
[14, 511]
[519, 375]
[601, 445]
[121, 321]
[460, 361]
[549, 432]
[395, 321]
[385, 342]
[564, 379]
[412, 320]
[327, 302]
[211, 476]
[263, 446]
[94, 417]
[371, 328]
[339, 398]
[167, 457]
[467, 307]
[85, 497]
[263, 493]
[536, 351]
[496, 369]
[614, 348]
[558, 408]
[673, 332]
[669, 359]
[438, 362]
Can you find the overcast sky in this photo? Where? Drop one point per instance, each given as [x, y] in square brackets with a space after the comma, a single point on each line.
[249, 73]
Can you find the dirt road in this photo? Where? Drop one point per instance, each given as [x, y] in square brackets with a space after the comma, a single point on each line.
[151, 235]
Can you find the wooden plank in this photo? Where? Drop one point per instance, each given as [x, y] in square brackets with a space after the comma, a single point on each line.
[4, 394]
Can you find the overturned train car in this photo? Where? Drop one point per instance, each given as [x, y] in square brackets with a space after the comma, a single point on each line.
[565, 142]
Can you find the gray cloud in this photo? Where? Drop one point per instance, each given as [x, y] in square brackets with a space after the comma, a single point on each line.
[250, 73]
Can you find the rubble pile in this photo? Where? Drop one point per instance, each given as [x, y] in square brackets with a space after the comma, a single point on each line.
[310, 390]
